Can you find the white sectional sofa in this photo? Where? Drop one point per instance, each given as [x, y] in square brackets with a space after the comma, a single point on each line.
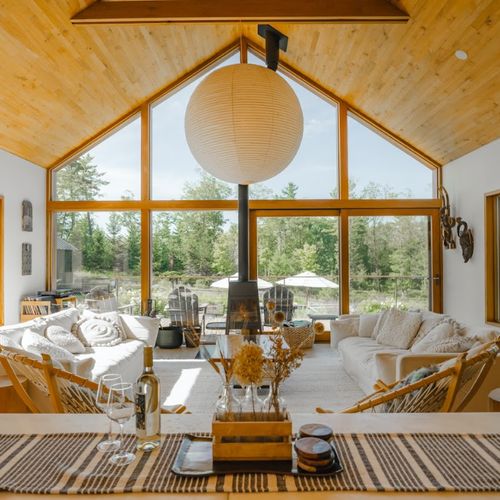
[124, 358]
[366, 358]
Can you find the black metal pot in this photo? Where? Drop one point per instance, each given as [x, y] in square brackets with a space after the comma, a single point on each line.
[169, 337]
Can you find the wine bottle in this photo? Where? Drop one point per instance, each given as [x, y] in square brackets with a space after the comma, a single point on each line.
[147, 401]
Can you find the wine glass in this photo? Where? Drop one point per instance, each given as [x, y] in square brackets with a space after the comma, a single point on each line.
[121, 408]
[102, 398]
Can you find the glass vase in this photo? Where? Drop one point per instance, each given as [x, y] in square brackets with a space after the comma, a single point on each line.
[251, 404]
[275, 405]
[227, 406]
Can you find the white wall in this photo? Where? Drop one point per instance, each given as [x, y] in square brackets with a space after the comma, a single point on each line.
[467, 180]
[19, 180]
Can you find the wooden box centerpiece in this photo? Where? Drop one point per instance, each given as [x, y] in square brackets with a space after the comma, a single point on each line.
[252, 440]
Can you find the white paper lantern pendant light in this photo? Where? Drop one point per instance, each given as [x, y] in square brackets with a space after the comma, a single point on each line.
[244, 123]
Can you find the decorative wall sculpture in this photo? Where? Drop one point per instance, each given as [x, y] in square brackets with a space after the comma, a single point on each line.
[466, 239]
[448, 222]
[27, 220]
[26, 259]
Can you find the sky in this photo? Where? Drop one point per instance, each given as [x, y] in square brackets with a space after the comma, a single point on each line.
[314, 168]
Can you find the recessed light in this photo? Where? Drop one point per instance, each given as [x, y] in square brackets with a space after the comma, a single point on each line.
[462, 55]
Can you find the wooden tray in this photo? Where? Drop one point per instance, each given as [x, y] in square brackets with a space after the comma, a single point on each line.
[195, 459]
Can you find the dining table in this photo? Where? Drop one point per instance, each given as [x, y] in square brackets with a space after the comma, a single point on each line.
[355, 424]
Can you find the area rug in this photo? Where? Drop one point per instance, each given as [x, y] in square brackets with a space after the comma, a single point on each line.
[320, 381]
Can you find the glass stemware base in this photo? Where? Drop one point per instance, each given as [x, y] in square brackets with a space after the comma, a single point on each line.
[122, 458]
[109, 445]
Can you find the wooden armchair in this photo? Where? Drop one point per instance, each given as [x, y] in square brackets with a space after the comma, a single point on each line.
[283, 298]
[449, 389]
[67, 392]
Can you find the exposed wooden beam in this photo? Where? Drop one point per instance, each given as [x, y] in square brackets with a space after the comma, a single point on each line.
[229, 11]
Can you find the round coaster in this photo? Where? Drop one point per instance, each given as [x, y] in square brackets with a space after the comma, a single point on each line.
[313, 448]
[325, 462]
[309, 468]
[316, 430]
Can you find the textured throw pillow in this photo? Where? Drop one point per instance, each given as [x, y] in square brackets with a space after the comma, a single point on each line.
[98, 332]
[399, 328]
[32, 355]
[367, 324]
[65, 339]
[429, 321]
[7, 341]
[443, 338]
[141, 328]
[341, 329]
[65, 319]
[378, 325]
[37, 344]
[61, 358]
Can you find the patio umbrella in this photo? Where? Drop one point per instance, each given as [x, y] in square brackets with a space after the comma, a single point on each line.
[224, 282]
[307, 279]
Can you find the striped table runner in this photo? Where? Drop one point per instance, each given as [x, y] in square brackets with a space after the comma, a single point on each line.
[70, 463]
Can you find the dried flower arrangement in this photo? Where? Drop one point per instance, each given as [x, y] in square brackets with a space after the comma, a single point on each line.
[248, 368]
[283, 360]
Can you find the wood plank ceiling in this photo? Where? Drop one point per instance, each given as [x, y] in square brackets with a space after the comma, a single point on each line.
[60, 84]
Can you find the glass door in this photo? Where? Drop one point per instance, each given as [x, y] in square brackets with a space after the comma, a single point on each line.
[298, 251]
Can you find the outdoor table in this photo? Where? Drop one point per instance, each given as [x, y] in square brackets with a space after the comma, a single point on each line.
[321, 316]
[459, 423]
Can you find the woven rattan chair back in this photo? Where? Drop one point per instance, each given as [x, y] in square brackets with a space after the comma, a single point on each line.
[449, 389]
[183, 308]
[67, 393]
[283, 299]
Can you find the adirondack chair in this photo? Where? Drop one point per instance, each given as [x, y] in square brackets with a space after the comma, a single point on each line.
[283, 298]
[183, 308]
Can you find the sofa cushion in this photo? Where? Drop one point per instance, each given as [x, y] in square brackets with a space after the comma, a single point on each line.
[367, 324]
[64, 338]
[16, 331]
[98, 331]
[444, 338]
[429, 321]
[65, 319]
[399, 328]
[125, 359]
[141, 328]
[7, 341]
[358, 357]
[342, 328]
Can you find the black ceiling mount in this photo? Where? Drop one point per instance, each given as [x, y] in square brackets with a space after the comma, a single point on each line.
[275, 40]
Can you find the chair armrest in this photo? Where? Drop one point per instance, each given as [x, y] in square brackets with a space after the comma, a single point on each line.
[406, 363]
[385, 364]
[341, 329]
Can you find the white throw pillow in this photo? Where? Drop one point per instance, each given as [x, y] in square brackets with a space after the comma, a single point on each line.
[98, 332]
[378, 325]
[37, 344]
[141, 328]
[429, 321]
[32, 355]
[342, 328]
[65, 339]
[443, 338]
[65, 319]
[7, 341]
[367, 324]
[61, 358]
[399, 328]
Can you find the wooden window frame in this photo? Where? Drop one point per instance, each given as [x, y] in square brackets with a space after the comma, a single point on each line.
[492, 257]
[146, 205]
[2, 317]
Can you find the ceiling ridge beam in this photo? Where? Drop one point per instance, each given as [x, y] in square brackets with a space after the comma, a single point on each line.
[230, 11]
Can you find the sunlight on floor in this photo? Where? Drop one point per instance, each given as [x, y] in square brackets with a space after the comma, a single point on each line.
[182, 388]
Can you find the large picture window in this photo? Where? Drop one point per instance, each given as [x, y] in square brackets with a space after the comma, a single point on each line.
[135, 217]
[98, 257]
[110, 170]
